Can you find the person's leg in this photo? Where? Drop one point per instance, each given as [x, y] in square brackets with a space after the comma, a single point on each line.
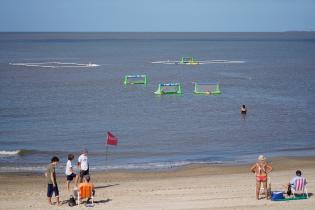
[56, 190]
[265, 189]
[81, 176]
[257, 189]
[49, 200]
[49, 193]
[77, 180]
[58, 201]
[68, 185]
[69, 180]
[289, 191]
[75, 193]
[74, 178]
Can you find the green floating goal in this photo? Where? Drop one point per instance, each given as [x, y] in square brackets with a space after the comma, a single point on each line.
[188, 60]
[169, 88]
[135, 79]
[207, 88]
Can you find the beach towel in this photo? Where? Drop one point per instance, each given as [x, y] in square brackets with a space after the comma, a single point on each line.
[278, 196]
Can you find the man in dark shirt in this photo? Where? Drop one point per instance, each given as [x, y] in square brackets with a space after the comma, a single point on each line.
[52, 181]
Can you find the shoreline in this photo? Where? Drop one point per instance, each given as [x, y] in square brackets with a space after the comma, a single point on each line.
[193, 187]
[281, 164]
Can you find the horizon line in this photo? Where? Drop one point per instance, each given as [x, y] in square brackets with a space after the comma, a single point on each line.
[289, 31]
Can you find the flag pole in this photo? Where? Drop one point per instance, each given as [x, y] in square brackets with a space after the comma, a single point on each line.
[111, 140]
[106, 152]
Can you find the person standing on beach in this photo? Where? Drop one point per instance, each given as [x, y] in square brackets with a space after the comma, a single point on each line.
[69, 171]
[261, 169]
[83, 164]
[52, 180]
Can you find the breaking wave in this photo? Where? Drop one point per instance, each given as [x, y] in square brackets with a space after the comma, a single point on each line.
[17, 152]
[56, 64]
[9, 153]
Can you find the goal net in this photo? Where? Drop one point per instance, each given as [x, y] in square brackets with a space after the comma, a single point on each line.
[207, 88]
[135, 79]
[169, 88]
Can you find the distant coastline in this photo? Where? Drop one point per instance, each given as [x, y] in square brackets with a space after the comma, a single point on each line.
[215, 36]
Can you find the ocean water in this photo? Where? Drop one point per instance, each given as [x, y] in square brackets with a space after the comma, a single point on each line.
[48, 111]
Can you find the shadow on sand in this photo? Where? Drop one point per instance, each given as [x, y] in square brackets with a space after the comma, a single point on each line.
[88, 202]
[106, 186]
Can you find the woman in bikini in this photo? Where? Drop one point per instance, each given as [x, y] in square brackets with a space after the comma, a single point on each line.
[261, 169]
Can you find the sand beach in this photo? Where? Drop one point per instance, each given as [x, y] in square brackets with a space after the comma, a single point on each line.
[195, 187]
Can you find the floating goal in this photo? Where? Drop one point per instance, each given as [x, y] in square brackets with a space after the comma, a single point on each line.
[188, 60]
[169, 88]
[207, 88]
[135, 79]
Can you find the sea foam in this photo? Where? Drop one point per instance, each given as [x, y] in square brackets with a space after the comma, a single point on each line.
[9, 153]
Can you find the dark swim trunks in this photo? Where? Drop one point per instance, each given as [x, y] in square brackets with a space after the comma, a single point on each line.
[71, 176]
[52, 189]
[83, 173]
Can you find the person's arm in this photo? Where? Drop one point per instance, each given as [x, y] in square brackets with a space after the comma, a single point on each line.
[252, 169]
[52, 178]
[79, 162]
[269, 168]
[70, 167]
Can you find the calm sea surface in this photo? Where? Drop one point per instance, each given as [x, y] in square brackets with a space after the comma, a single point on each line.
[54, 111]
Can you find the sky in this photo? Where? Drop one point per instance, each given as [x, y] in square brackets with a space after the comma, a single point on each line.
[156, 15]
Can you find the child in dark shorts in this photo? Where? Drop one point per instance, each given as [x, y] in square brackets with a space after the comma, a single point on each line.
[52, 181]
[70, 172]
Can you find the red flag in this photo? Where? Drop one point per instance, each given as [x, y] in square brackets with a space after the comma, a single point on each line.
[111, 139]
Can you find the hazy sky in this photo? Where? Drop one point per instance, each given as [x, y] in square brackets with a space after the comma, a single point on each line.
[157, 15]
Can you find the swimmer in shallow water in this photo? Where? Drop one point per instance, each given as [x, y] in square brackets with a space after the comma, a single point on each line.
[243, 109]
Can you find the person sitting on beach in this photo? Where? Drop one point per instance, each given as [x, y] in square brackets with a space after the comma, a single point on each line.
[261, 169]
[69, 171]
[243, 109]
[83, 164]
[297, 180]
[52, 181]
[86, 184]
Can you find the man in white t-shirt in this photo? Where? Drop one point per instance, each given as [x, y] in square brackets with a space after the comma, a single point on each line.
[69, 171]
[83, 164]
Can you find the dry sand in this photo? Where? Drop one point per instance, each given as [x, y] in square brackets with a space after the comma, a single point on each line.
[193, 187]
